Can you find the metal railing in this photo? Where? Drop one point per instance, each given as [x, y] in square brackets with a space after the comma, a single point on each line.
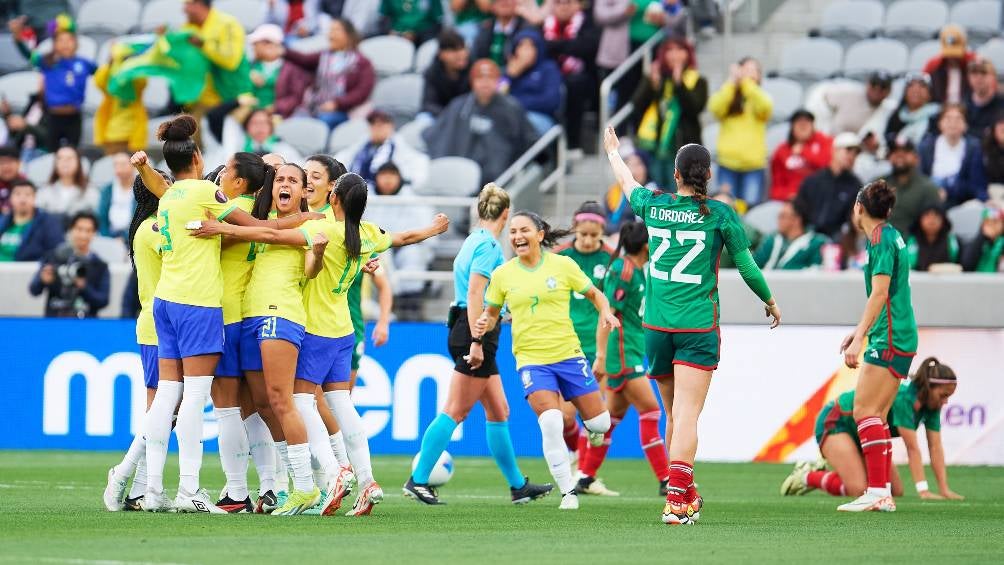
[556, 179]
[643, 55]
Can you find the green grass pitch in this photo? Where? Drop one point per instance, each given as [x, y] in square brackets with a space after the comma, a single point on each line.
[52, 513]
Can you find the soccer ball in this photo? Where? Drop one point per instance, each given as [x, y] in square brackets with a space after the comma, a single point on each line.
[442, 471]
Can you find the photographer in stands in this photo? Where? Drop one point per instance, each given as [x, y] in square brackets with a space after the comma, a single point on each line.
[76, 279]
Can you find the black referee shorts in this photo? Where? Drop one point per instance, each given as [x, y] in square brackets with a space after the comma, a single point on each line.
[459, 344]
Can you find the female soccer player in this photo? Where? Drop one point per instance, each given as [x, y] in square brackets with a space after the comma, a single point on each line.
[475, 372]
[686, 235]
[620, 359]
[144, 243]
[536, 286]
[891, 330]
[327, 345]
[918, 402]
[188, 314]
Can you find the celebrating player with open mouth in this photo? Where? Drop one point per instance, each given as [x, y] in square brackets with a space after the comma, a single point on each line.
[686, 235]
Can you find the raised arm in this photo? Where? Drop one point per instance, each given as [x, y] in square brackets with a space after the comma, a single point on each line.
[851, 347]
[937, 453]
[622, 173]
[440, 223]
[153, 181]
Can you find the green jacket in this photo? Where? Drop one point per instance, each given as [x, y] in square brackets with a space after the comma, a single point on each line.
[803, 252]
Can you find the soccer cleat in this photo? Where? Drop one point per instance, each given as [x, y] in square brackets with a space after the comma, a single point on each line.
[529, 491]
[338, 489]
[869, 502]
[266, 503]
[422, 493]
[697, 504]
[367, 499]
[664, 488]
[595, 439]
[594, 486]
[232, 506]
[133, 504]
[197, 503]
[155, 502]
[796, 484]
[569, 501]
[114, 492]
[681, 514]
[315, 510]
[297, 502]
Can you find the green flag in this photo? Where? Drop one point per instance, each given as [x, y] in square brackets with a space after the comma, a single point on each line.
[170, 56]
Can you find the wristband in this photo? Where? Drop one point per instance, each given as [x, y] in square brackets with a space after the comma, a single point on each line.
[612, 154]
[921, 486]
[476, 340]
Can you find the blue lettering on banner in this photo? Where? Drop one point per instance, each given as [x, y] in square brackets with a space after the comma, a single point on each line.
[78, 384]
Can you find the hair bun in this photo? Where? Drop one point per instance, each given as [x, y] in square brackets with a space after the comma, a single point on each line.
[181, 128]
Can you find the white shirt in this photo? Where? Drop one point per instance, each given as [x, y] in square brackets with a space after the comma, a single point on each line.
[947, 159]
[65, 199]
[120, 211]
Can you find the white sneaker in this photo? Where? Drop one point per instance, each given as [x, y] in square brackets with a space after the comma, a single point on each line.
[569, 501]
[198, 502]
[114, 492]
[595, 487]
[595, 439]
[154, 501]
[869, 502]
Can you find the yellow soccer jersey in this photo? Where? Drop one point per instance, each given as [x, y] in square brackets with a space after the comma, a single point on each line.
[146, 254]
[276, 285]
[326, 296]
[190, 272]
[236, 261]
[327, 210]
[538, 298]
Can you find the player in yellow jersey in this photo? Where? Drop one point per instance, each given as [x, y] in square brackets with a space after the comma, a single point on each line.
[537, 286]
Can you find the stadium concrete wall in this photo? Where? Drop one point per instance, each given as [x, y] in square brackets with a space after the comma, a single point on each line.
[78, 384]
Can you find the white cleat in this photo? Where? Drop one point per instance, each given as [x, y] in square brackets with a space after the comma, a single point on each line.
[337, 489]
[869, 502]
[595, 487]
[569, 501]
[114, 495]
[367, 499]
[196, 503]
[155, 502]
[796, 484]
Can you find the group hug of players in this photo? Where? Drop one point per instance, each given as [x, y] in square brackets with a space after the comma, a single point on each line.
[270, 301]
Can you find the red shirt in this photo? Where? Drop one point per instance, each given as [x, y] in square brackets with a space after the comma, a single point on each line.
[788, 170]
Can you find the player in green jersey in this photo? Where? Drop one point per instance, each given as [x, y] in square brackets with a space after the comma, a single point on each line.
[620, 360]
[889, 325]
[687, 233]
[919, 402]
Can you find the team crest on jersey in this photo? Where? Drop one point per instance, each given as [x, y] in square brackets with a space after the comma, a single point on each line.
[155, 227]
[552, 283]
[599, 271]
[220, 197]
[527, 379]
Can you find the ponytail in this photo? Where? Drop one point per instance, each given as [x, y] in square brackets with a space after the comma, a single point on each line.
[932, 373]
[253, 169]
[551, 235]
[633, 237]
[263, 199]
[351, 190]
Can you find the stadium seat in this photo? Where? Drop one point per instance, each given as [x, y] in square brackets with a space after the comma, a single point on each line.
[763, 217]
[709, 137]
[994, 50]
[86, 47]
[11, 59]
[966, 219]
[312, 44]
[102, 172]
[156, 95]
[776, 134]
[111, 250]
[811, 58]
[92, 98]
[787, 96]
[151, 128]
[451, 176]
[411, 132]
[390, 54]
[161, 12]
[87, 134]
[108, 17]
[981, 18]
[921, 53]
[865, 57]
[17, 87]
[425, 55]
[400, 96]
[250, 13]
[346, 134]
[852, 18]
[915, 19]
[306, 135]
[39, 169]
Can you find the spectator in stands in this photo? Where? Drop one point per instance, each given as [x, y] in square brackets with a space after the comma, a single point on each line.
[415, 20]
[266, 41]
[116, 203]
[985, 254]
[985, 101]
[613, 17]
[27, 233]
[297, 18]
[468, 15]
[948, 69]
[993, 158]
[615, 204]
[34, 25]
[255, 134]
[486, 126]
[10, 173]
[743, 108]
[495, 36]
[931, 240]
[344, 77]
[383, 146]
[914, 191]
[533, 79]
[649, 17]
[291, 87]
[447, 76]
[827, 196]
[67, 192]
[364, 14]
[75, 279]
[28, 139]
[806, 151]
[752, 235]
[954, 160]
[841, 106]
[64, 80]
[572, 39]
[669, 105]
[915, 113]
[119, 125]
[794, 245]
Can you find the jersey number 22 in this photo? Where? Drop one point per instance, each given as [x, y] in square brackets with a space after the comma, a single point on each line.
[682, 237]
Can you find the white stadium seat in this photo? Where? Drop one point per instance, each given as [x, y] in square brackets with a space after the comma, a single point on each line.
[113, 17]
[812, 58]
[400, 96]
[981, 18]
[346, 134]
[390, 54]
[161, 12]
[425, 55]
[451, 176]
[853, 18]
[921, 53]
[787, 96]
[880, 54]
[915, 19]
[306, 135]
[17, 87]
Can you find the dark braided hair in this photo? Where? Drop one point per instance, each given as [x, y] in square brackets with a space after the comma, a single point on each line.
[878, 199]
[633, 237]
[551, 235]
[693, 163]
[146, 206]
[930, 374]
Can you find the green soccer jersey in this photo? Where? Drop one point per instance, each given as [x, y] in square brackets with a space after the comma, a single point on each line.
[583, 313]
[624, 286]
[355, 300]
[908, 413]
[895, 327]
[682, 289]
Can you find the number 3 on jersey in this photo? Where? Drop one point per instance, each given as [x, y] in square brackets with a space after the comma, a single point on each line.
[665, 241]
[165, 232]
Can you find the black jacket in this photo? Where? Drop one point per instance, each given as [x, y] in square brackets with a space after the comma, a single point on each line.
[483, 42]
[441, 88]
[692, 103]
[828, 199]
[65, 300]
[584, 46]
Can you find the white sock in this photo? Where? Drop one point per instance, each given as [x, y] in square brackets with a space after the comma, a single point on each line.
[281, 469]
[299, 463]
[338, 448]
[598, 424]
[317, 436]
[555, 452]
[158, 431]
[234, 450]
[262, 451]
[136, 451]
[139, 479]
[356, 442]
[189, 432]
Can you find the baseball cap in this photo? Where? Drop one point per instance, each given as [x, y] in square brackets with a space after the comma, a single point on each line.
[992, 212]
[846, 140]
[880, 78]
[802, 113]
[902, 143]
[953, 41]
[266, 32]
[9, 152]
